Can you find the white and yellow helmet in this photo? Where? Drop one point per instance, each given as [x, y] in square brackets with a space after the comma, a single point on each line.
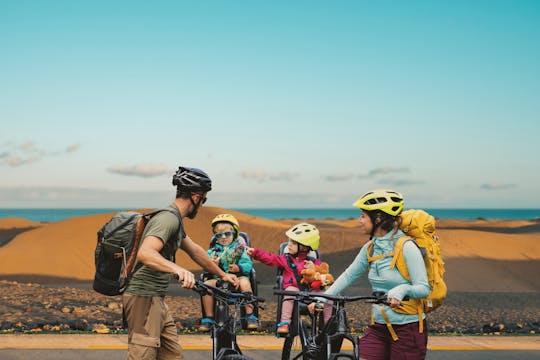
[227, 218]
[305, 234]
[388, 201]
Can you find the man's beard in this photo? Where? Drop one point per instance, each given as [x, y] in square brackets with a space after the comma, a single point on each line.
[194, 212]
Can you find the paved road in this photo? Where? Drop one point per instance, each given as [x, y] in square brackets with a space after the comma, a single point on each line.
[69, 354]
[198, 347]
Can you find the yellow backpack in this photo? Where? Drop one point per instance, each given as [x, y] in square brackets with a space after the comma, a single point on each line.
[419, 226]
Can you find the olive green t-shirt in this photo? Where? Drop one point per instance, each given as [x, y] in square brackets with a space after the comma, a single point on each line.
[147, 281]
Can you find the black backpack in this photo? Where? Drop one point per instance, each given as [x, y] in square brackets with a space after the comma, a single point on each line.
[116, 250]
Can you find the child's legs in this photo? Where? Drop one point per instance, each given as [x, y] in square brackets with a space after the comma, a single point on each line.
[288, 305]
[245, 286]
[327, 311]
[208, 300]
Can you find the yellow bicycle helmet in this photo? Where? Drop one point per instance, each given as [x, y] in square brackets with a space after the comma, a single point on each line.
[305, 234]
[228, 218]
[388, 201]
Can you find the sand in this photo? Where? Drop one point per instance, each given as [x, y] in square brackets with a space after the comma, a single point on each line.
[491, 271]
[480, 255]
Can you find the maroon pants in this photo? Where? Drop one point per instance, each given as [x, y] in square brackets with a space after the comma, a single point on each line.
[377, 343]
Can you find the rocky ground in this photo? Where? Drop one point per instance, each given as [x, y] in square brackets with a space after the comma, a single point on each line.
[30, 307]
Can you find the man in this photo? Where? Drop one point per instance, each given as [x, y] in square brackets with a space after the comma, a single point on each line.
[152, 332]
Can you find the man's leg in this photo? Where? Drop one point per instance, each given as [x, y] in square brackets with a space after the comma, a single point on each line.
[139, 312]
[170, 345]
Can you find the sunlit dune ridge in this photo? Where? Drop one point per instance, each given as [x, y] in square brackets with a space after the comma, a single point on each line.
[65, 249]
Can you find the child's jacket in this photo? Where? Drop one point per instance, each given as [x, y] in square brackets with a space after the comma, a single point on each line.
[280, 261]
[234, 253]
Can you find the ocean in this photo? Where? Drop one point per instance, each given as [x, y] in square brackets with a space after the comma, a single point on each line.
[51, 215]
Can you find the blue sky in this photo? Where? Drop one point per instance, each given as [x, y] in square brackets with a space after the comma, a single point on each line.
[283, 103]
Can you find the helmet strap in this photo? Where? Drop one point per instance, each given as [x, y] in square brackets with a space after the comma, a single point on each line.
[196, 206]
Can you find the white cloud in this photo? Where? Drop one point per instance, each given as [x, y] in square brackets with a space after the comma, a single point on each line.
[383, 171]
[143, 170]
[400, 182]
[263, 176]
[338, 177]
[73, 148]
[70, 197]
[496, 187]
[27, 153]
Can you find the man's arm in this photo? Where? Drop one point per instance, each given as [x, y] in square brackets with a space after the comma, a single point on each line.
[149, 255]
[197, 253]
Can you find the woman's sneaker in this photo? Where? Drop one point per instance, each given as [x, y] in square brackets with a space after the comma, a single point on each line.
[283, 328]
[206, 325]
[252, 322]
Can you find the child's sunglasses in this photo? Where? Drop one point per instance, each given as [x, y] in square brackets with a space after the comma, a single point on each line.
[223, 234]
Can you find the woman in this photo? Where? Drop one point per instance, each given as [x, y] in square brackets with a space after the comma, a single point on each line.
[392, 335]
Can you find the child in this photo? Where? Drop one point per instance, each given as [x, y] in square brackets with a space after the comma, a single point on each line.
[303, 238]
[227, 250]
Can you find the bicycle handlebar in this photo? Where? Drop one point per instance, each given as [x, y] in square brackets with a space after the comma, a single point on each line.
[205, 289]
[311, 297]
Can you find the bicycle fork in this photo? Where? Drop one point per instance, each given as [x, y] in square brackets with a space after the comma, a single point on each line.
[334, 341]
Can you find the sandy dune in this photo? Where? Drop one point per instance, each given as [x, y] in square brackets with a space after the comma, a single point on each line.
[481, 255]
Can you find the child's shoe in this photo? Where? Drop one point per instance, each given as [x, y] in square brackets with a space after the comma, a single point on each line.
[252, 322]
[206, 325]
[283, 328]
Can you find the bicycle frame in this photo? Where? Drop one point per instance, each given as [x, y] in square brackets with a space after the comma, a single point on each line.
[333, 340]
[325, 343]
[225, 326]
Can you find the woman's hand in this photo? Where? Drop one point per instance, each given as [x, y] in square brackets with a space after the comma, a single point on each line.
[394, 303]
[249, 250]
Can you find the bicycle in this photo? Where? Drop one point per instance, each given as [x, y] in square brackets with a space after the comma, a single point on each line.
[225, 327]
[318, 341]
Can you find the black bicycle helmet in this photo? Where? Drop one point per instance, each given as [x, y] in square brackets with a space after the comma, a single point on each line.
[192, 179]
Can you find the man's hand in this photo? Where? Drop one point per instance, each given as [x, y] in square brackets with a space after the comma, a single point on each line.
[186, 278]
[230, 278]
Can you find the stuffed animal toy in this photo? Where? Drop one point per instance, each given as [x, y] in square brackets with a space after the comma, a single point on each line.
[322, 281]
[308, 273]
[317, 277]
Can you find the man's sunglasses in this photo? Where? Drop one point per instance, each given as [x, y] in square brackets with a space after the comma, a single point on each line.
[223, 234]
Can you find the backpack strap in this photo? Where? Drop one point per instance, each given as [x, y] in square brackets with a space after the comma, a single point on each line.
[398, 251]
[293, 266]
[151, 214]
[145, 218]
[397, 260]
[372, 258]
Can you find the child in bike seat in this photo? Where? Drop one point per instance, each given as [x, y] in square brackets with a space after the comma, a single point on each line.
[228, 251]
[303, 238]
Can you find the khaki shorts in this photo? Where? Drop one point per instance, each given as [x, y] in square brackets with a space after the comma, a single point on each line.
[152, 332]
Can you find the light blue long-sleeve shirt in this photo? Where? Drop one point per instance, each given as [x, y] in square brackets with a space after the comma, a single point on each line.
[386, 279]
